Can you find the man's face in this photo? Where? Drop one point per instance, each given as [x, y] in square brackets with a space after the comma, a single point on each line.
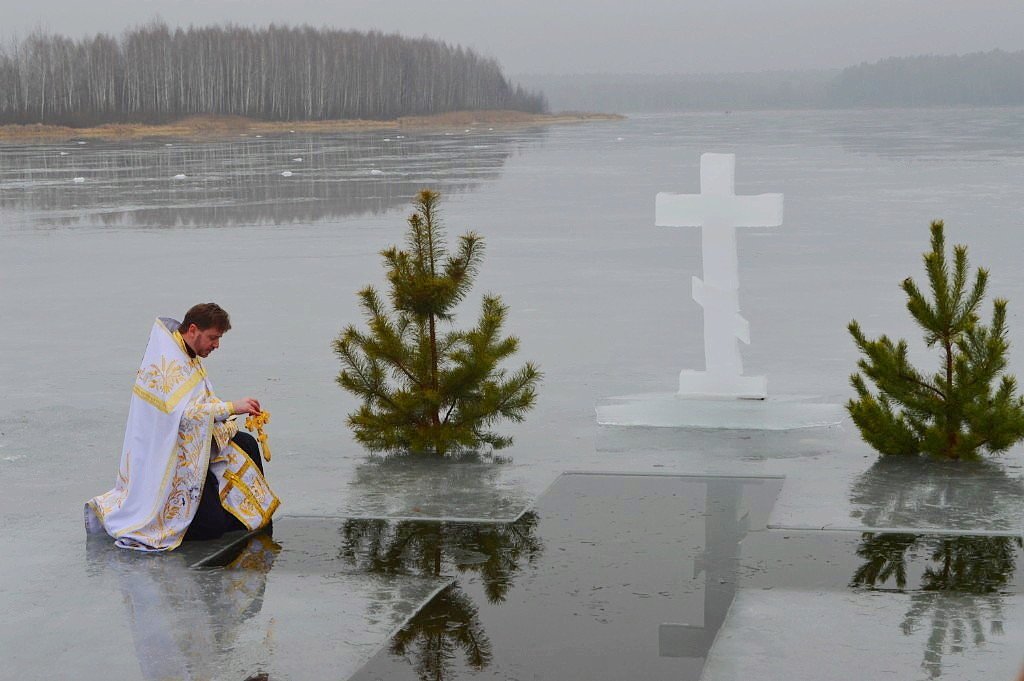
[203, 341]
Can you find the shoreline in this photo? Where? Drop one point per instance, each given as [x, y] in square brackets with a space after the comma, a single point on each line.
[206, 126]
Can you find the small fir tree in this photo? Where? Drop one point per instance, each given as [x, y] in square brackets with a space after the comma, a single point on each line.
[426, 388]
[958, 411]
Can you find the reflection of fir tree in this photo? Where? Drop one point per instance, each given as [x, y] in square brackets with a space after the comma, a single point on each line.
[505, 547]
[885, 557]
[911, 492]
[495, 551]
[959, 590]
[978, 565]
[957, 622]
[387, 548]
[445, 625]
[449, 622]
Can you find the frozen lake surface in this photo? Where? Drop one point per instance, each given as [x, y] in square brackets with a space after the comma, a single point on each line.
[599, 297]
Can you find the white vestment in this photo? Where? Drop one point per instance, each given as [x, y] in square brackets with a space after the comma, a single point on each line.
[177, 430]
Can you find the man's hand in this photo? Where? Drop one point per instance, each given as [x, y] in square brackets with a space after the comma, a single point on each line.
[248, 405]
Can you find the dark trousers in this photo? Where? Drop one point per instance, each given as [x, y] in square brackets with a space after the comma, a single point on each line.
[212, 520]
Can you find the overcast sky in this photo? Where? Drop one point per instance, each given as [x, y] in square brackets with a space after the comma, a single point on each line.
[596, 36]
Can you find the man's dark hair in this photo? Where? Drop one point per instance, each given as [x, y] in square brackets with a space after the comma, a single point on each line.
[205, 315]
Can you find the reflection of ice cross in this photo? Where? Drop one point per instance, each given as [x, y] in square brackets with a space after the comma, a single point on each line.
[718, 211]
[725, 526]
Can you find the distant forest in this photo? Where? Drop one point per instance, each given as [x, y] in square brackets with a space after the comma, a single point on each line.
[154, 74]
[981, 79]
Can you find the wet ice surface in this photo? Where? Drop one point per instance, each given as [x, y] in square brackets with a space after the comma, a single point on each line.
[835, 482]
[768, 634]
[599, 581]
[599, 297]
[274, 606]
[408, 487]
[907, 606]
[882, 561]
[613, 577]
[90, 610]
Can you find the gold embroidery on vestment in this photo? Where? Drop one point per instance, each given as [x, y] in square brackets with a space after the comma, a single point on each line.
[250, 505]
[164, 377]
[168, 405]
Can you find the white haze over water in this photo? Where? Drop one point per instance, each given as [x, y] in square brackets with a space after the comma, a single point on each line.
[580, 36]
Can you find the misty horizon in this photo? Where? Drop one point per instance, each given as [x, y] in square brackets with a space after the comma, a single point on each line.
[577, 37]
[9, 38]
[157, 72]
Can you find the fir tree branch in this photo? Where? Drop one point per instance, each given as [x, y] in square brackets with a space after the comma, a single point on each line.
[923, 384]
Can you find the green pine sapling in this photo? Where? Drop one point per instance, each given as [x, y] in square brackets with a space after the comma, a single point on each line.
[959, 411]
[427, 388]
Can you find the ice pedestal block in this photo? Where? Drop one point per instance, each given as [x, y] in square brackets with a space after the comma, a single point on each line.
[717, 386]
[670, 410]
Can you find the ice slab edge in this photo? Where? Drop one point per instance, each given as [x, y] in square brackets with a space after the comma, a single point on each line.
[670, 410]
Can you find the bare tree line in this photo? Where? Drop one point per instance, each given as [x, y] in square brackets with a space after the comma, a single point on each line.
[154, 74]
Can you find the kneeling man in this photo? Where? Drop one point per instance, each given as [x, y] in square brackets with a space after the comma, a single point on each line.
[186, 472]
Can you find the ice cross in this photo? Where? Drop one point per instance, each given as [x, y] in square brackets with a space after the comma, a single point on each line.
[718, 212]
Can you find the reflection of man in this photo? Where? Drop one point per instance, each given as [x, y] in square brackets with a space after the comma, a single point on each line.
[186, 472]
[198, 624]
